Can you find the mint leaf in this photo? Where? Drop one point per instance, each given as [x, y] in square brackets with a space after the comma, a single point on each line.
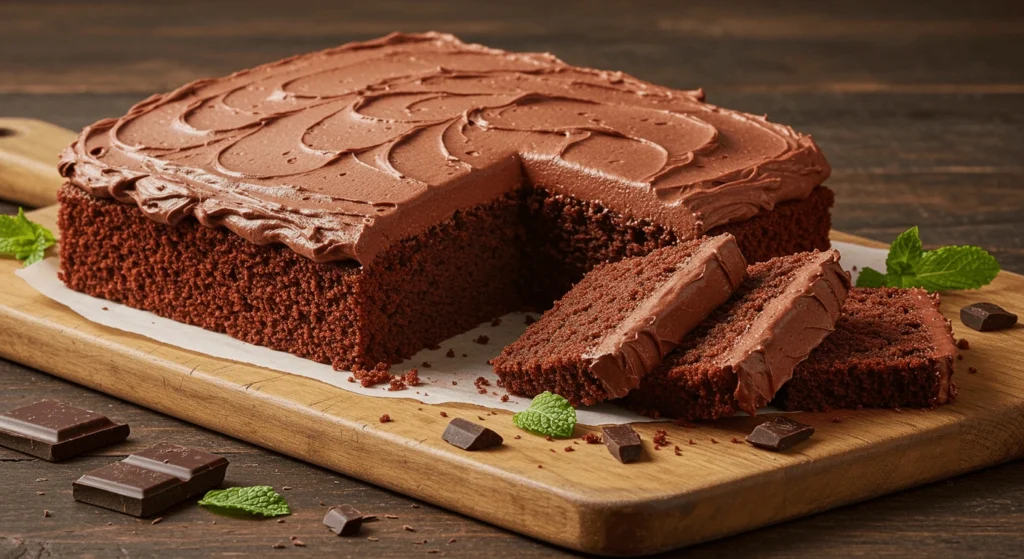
[548, 414]
[869, 277]
[955, 267]
[24, 239]
[259, 499]
[952, 267]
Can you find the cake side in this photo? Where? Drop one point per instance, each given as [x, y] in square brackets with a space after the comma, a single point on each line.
[620, 321]
[746, 349]
[891, 348]
[334, 312]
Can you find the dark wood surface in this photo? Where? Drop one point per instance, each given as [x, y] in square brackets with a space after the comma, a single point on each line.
[919, 107]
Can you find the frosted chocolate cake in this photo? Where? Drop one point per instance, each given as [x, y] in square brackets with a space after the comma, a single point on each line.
[357, 204]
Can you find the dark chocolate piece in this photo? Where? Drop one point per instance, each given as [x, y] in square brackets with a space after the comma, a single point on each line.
[470, 436]
[151, 481]
[985, 317]
[779, 434]
[344, 520]
[55, 431]
[623, 442]
[200, 471]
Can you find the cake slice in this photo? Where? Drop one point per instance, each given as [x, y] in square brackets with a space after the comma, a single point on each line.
[740, 356]
[891, 348]
[620, 321]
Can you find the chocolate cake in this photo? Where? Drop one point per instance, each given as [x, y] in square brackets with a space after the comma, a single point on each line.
[620, 321]
[891, 348]
[739, 357]
[357, 204]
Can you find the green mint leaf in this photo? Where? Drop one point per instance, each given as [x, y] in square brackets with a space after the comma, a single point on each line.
[869, 277]
[548, 414]
[955, 267]
[24, 239]
[259, 499]
[904, 256]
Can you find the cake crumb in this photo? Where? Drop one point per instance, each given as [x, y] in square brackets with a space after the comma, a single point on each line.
[450, 354]
[46, 513]
[959, 357]
[549, 438]
[412, 378]
[660, 437]
[480, 418]
[385, 418]
[480, 383]
[455, 383]
[504, 398]
[425, 364]
[972, 370]
[570, 449]
[678, 451]
[691, 441]
[962, 343]
[396, 384]
[444, 414]
[371, 377]
[465, 355]
[592, 438]
[529, 319]
[517, 437]
[734, 440]
[713, 441]
[351, 379]
[496, 322]
[481, 339]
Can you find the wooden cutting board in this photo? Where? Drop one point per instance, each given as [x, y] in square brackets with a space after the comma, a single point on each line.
[584, 499]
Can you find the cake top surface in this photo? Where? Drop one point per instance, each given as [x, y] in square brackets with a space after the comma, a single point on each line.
[339, 153]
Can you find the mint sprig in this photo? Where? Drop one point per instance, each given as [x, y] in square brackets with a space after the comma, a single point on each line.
[23, 239]
[946, 268]
[548, 414]
[259, 499]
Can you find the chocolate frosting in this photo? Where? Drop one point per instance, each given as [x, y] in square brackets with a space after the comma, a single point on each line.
[339, 153]
[788, 328]
[639, 344]
[941, 330]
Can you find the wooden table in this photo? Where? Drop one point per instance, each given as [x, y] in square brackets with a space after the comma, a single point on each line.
[920, 110]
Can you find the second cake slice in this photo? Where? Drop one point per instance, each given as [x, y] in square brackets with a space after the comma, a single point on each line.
[740, 356]
[620, 321]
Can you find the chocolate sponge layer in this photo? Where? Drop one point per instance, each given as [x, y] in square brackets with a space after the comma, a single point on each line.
[521, 251]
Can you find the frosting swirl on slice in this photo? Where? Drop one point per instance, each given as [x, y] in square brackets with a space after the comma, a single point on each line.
[339, 153]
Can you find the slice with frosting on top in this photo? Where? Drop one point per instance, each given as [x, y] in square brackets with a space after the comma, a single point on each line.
[620, 321]
[740, 356]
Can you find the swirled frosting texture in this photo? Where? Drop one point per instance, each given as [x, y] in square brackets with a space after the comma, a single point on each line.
[339, 153]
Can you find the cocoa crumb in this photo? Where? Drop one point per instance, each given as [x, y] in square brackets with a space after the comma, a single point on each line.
[351, 379]
[371, 377]
[450, 354]
[444, 414]
[504, 397]
[496, 322]
[481, 339]
[385, 418]
[106, 309]
[657, 447]
[539, 467]
[592, 438]
[455, 383]
[570, 449]
[412, 378]
[157, 520]
[660, 437]
[465, 355]
[548, 438]
[962, 343]
[972, 370]
[529, 319]
[959, 357]
[425, 364]
[396, 384]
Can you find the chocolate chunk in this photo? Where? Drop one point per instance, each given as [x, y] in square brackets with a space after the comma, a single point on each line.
[985, 317]
[344, 520]
[623, 442]
[470, 436]
[779, 434]
[55, 431]
[151, 481]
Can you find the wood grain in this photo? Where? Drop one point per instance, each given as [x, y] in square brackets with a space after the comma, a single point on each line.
[28, 160]
[580, 499]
